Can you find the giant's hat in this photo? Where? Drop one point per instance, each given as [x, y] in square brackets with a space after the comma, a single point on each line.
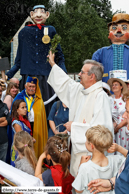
[119, 17]
[39, 6]
[32, 80]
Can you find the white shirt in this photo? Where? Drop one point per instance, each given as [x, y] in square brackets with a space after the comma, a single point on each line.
[3, 95]
[89, 171]
[31, 115]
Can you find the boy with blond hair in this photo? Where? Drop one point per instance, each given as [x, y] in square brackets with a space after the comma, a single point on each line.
[99, 140]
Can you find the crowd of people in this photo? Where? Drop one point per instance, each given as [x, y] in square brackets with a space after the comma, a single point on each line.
[83, 140]
[93, 116]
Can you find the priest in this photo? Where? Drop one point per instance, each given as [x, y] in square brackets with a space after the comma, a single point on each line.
[87, 102]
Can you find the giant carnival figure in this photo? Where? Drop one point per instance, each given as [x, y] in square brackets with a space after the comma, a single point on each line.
[33, 47]
[116, 56]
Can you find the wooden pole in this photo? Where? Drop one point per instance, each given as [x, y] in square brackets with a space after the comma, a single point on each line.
[3, 74]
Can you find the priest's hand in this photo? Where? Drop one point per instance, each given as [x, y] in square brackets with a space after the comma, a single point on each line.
[68, 125]
[64, 132]
[51, 58]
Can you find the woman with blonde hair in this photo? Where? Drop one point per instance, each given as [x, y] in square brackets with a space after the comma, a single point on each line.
[12, 91]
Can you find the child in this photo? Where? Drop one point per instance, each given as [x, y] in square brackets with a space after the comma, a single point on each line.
[99, 139]
[120, 181]
[26, 160]
[19, 122]
[19, 118]
[58, 174]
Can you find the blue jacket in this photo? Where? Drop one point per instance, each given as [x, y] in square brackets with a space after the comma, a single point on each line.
[58, 116]
[104, 55]
[122, 182]
[32, 52]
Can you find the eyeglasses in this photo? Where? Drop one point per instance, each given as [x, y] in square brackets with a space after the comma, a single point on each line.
[82, 72]
[115, 85]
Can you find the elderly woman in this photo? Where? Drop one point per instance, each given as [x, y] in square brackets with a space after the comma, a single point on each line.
[118, 87]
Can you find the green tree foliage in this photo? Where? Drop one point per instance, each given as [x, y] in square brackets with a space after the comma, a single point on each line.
[82, 25]
[81, 29]
[103, 8]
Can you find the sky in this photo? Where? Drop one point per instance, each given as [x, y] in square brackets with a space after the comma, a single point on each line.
[122, 5]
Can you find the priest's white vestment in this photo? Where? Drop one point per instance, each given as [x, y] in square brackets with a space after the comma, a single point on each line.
[87, 107]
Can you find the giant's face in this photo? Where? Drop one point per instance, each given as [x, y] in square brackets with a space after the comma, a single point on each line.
[119, 33]
[39, 16]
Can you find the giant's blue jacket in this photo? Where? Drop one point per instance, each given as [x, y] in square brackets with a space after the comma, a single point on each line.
[32, 52]
[104, 55]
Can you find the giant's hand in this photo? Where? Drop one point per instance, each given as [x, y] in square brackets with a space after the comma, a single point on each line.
[2, 82]
[99, 185]
[51, 58]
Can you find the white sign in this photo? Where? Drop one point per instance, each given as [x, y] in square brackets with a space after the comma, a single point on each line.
[121, 74]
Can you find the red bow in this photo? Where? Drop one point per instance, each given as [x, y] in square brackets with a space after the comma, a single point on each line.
[38, 25]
